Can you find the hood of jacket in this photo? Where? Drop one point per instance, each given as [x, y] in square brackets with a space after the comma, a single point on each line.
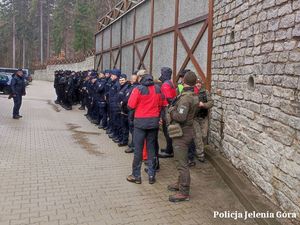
[166, 74]
[147, 80]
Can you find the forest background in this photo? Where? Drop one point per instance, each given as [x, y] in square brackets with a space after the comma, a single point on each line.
[34, 31]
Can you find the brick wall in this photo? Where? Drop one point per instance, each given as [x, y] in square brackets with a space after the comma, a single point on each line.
[255, 122]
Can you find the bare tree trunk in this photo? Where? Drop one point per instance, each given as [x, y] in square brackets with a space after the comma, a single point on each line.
[48, 38]
[24, 49]
[14, 39]
[41, 21]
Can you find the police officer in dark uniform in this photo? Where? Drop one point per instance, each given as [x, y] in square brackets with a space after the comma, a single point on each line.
[17, 91]
[83, 92]
[107, 88]
[56, 80]
[61, 86]
[134, 84]
[89, 97]
[123, 97]
[100, 99]
[114, 106]
[69, 89]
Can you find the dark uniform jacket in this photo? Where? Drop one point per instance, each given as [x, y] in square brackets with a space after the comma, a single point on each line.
[113, 95]
[123, 97]
[100, 89]
[18, 85]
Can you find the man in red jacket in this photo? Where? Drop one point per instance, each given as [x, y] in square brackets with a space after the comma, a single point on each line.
[169, 91]
[146, 100]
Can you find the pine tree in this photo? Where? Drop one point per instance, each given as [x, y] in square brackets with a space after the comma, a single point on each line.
[83, 31]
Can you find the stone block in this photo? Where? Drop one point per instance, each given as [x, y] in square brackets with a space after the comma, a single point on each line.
[280, 35]
[268, 4]
[297, 17]
[296, 5]
[290, 82]
[297, 69]
[265, 48]
[287, 21]
[289, 45]
[296, 31]
[290, 167]
[294, 122]
[275, 102]
[262, 16]
[272, 13]
[281, 133]
[285, 9]
[279, 2]
[283, 57]
[273, 25]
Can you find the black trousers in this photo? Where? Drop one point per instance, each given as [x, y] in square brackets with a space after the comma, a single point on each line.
[139, 137]
[17, 104]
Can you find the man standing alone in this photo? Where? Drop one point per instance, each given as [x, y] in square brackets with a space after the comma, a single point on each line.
[18, 90]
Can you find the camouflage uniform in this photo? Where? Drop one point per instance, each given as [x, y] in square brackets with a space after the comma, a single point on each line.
[183, 114]
[201, 122]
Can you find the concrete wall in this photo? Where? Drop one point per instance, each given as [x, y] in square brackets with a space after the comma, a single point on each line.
[257, 127]
[48, 73]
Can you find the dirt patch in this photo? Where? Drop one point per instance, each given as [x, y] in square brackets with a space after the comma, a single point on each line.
[54, 106]
[82, 139]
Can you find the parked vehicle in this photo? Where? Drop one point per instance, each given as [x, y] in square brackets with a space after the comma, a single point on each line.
[5, 83]
[6, 76]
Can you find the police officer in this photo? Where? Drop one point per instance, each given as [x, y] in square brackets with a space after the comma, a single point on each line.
[108, 85]
[123, 97]
[83, 92]
[114, 106]
[69, 89]
[56, 80]
[181, 116]
[17, 91]
[61, 86]
[134, 83]
[100, 85]
[147, 101]
[92, 92]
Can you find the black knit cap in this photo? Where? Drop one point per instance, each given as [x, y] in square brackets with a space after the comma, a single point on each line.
[190, 78]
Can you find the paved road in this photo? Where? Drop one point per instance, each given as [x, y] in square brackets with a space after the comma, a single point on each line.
[56, 168]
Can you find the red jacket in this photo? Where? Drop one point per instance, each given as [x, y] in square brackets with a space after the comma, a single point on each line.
[147, 101]
[169, 91]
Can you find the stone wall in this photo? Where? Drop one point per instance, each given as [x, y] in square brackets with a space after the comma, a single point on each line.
[255, 122]
[48, 73]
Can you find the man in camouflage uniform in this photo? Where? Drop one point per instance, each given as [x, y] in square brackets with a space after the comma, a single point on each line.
[180, 120]
[201, 121]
